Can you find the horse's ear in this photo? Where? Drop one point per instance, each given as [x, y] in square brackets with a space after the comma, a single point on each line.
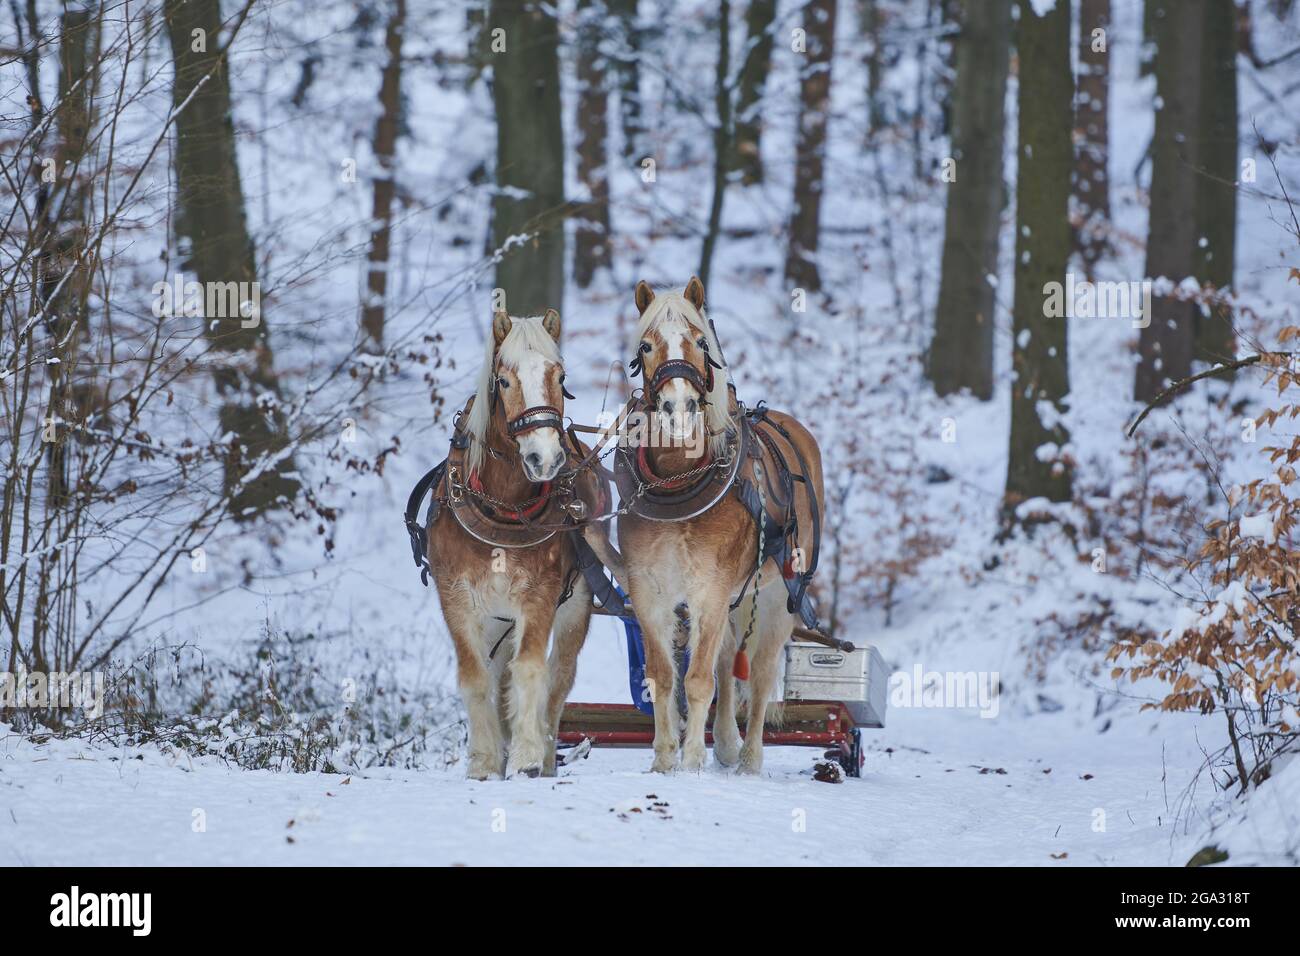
[695, 292]
[551, 323]
[500, 327]
[644, 296]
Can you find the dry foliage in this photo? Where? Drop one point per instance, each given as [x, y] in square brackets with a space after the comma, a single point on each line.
[1240, 654]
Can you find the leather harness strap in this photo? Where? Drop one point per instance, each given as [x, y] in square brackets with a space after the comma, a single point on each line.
[541, 498]
[680, 368]
[669, 483]
[442, 480]
[539, 416]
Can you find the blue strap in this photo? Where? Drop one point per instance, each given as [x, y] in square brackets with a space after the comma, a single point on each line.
[636, 663]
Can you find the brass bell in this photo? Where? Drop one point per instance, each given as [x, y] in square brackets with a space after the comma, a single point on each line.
[576, 509]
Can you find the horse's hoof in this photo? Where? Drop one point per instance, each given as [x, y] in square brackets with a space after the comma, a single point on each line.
[693, 760]
[663, 764]
[750, 764]
[727, 753]
[532, 772]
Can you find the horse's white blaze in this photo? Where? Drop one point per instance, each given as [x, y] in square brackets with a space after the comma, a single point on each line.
[681, 422]
[676, 417]
[679, 322]
[529, 349]
[540, 449]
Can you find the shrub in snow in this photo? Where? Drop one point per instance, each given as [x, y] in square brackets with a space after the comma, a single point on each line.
[1239, 653]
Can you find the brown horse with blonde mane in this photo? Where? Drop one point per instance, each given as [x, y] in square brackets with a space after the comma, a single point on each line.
[691, 546]
[505, 563]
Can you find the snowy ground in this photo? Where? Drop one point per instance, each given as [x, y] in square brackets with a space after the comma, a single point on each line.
[1011, 798]
[940, 787]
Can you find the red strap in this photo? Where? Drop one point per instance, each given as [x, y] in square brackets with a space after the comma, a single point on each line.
[541, 495]
[671, 484]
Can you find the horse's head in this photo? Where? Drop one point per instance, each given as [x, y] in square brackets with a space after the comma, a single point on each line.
[528, 381]
[675, 354]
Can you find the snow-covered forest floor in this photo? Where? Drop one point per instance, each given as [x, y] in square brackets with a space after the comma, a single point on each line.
[1067, 771]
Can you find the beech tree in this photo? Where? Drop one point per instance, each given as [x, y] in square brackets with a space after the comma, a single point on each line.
[818, 24]
[1040, 387]
[211, 197]
[385, 187]
[961, 352]
[528, 208]
[1092, 134]
[592, 238]
[1165, 345]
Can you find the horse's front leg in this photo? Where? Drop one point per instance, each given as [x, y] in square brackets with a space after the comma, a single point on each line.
[657, 589]
[528, 693]
[708, 621]
[570, 629]
[726, 734]
[661, 676]
[477, 687]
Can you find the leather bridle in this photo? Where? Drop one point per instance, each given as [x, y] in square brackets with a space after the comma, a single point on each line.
[677, 368]
[539, 416]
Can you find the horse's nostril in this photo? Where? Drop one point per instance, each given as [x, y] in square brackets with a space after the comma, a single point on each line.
[534, 460]
[692, 406]
[668, 407]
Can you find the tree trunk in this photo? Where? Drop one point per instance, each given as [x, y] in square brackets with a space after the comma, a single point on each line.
[211, 198]
[1148, 53]
[1040, 363]
[1216, 198]
[1165, 345]
[961, 354]
[530, 157]
[65, 274]
[722, 141]
[810, 151]
[592, 238]
[870, 27]
[1092, 136]
[385, 187]
[756, 61]
[629, 79]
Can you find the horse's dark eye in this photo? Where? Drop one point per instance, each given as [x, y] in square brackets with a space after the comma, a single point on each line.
[703, 343]
[502, 383]
[645, 348]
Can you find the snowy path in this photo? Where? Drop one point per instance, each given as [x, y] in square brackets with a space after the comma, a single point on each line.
[65, 803]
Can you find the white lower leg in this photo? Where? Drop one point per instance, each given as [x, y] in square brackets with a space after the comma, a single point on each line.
[528, 693]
